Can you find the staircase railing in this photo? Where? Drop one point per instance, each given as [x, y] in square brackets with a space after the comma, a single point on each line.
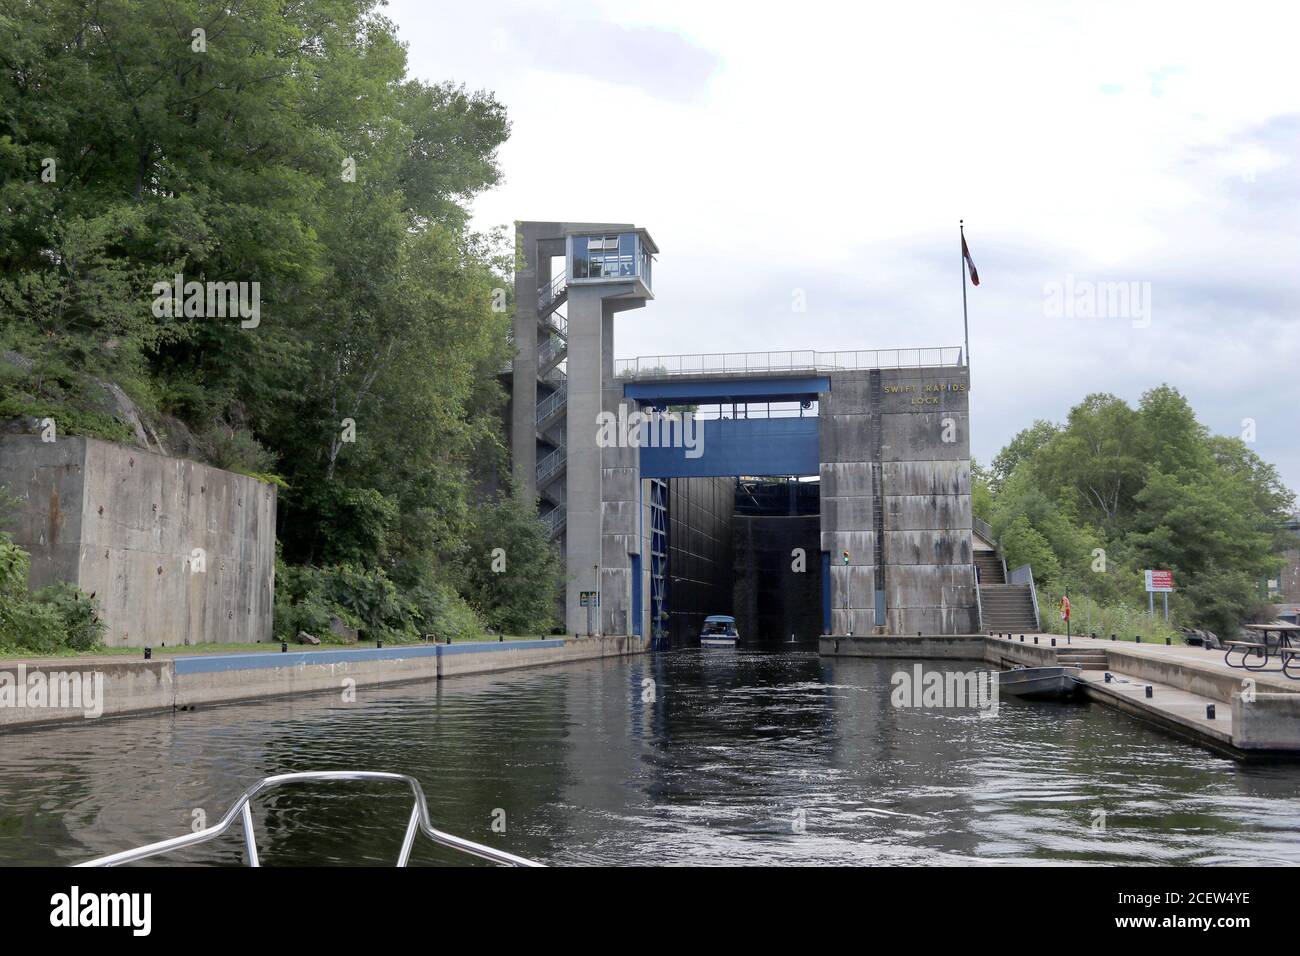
[557, 323]
[552, 403]
[1025, 575]
[550, 464]
[549, 296]
[554, 519]
[548, 350]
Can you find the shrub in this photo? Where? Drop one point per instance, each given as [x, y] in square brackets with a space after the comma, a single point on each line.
[307, 598]
[58, 617]
[82, 628]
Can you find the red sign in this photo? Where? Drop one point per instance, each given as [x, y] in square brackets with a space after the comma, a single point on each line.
[1160, 580]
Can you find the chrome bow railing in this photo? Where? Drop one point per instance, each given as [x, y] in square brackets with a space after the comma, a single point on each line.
[418, 822]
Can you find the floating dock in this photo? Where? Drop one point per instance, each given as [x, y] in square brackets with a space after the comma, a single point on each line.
[1189, 691]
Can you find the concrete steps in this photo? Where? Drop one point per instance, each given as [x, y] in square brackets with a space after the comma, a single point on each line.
[1008, 608]
[990, 567]
[1089, 660]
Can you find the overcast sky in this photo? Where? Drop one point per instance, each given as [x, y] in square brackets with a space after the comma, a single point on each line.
[780, 149]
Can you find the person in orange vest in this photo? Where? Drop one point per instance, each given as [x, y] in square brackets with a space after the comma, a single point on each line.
[1065, 615]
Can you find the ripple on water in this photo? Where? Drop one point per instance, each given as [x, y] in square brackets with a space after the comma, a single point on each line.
[751, 757]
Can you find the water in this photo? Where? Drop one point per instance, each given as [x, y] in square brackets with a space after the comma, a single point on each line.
[737, 749]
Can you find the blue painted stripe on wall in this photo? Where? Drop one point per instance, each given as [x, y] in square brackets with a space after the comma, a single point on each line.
[215, 663]
[479, 647]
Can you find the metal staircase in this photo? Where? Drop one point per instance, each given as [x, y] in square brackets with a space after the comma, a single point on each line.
[552, 296]
[551, 408]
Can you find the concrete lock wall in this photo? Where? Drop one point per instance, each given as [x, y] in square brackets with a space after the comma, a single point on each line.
[175, 552]
[895, 487]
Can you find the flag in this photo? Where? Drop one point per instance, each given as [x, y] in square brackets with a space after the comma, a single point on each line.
[970, 263]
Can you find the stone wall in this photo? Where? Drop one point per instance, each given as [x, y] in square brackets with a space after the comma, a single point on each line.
[175, 552]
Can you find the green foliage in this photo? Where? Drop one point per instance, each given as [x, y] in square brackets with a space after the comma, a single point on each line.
[981, 491]
[1087, 615]
[15, 565]
[1115, 490]
[1023, 544]
[294, 152]
[307, 599]
[512, 572]
[81, 627]
[55, 618]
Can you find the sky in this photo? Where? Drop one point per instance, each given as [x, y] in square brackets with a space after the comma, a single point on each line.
[1129, 177]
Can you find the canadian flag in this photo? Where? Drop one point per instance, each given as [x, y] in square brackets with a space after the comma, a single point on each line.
[970, 263]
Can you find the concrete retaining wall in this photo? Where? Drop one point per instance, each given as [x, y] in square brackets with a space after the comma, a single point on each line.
[175, 552]
[102, 687]
[1269, 722]
[1207, 682]
[933, 647]
[138, 686]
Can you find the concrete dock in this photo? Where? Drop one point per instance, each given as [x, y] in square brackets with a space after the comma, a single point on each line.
[1256, 713]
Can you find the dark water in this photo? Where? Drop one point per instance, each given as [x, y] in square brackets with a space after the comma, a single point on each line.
[733, 752]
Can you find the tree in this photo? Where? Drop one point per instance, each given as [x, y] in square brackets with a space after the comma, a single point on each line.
[512, 572]
[281, 145]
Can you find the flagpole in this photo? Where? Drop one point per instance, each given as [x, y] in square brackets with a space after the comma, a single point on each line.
[965, 321]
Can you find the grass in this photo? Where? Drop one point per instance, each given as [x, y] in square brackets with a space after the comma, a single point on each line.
[1124, 621]
[227, 648]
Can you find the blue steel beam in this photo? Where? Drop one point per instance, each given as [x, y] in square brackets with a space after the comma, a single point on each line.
[739, 446]
[714, 391]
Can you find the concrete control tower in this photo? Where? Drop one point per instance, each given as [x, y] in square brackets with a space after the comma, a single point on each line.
[571, 280]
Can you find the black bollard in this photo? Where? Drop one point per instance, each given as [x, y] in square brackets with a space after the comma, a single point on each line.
[1137, 638]
[1168, 641]
[148, 653]
[1113, 637]
[1022, 638]
[1209, 711]
[500, 638]
[1149, 690]
[1035, 638]
[284, 647]
[1053, 642]
[1108, 676]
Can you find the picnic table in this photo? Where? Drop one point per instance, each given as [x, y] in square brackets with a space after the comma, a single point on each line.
[1287, 648]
